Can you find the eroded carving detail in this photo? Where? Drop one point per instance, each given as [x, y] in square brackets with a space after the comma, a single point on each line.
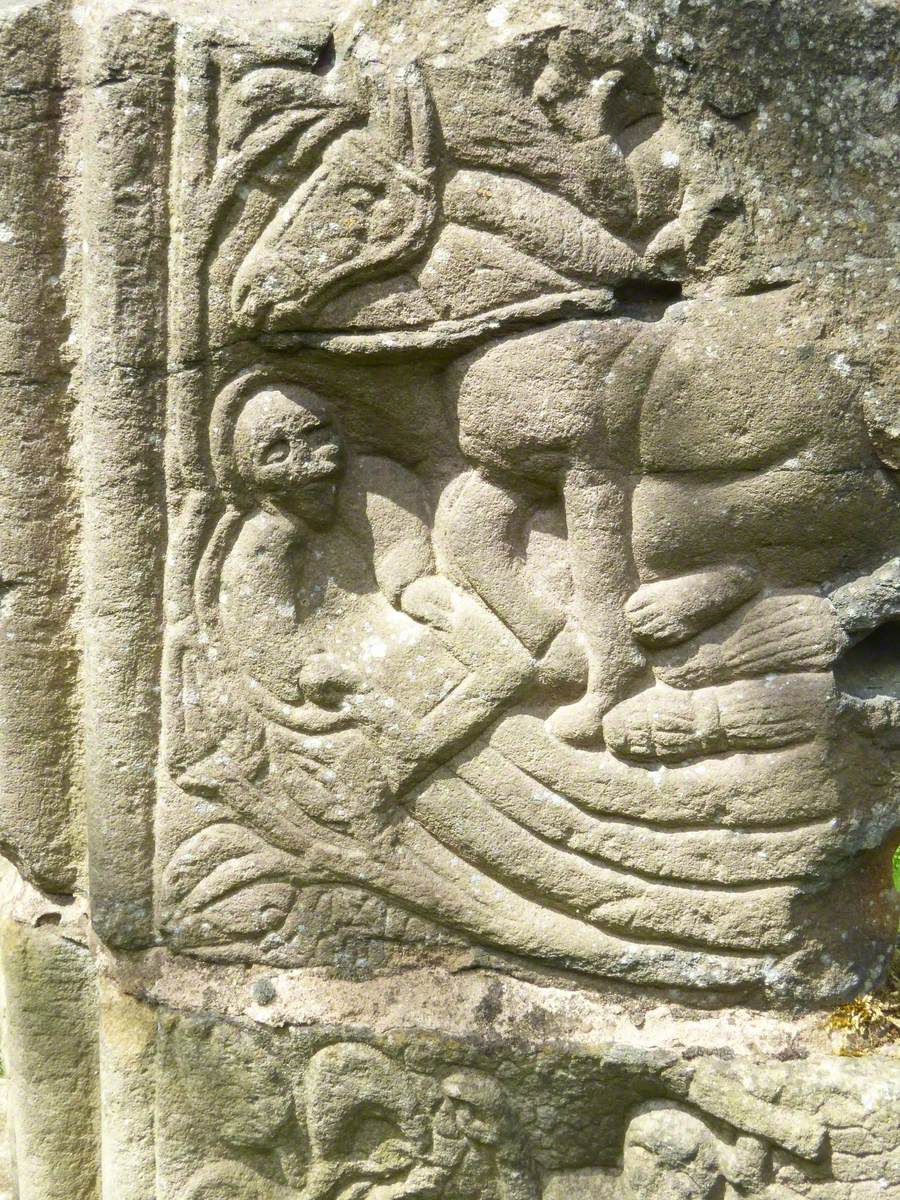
[377, 1130]
[352, 1120]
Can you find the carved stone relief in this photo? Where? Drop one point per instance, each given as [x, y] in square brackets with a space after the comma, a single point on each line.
[449, 598]
[492, 561]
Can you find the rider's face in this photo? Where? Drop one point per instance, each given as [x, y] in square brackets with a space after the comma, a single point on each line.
[289, 451]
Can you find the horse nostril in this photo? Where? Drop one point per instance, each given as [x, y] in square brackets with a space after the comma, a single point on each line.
[253, 295]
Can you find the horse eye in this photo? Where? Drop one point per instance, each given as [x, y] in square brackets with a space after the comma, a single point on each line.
[276, 451]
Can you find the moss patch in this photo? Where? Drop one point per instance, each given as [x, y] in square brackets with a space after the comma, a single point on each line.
[870, 1022]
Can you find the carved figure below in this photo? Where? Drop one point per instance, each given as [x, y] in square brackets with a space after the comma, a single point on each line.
[324, 602]
[377, 1131]
[673, 1154]
[354, 1122]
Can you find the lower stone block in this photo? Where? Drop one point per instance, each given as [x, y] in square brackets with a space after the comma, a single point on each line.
[315, 1114]
[159, 1079]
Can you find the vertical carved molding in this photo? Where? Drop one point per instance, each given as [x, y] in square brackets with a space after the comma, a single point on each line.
[128, 86]
[128, 1076]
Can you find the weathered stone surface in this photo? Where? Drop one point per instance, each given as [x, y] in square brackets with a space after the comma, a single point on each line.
[449, 595]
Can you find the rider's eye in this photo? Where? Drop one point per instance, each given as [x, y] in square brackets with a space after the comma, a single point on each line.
[276, 451]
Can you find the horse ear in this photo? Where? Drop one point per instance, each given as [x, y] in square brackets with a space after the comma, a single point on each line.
[402, 110]
[412, 98]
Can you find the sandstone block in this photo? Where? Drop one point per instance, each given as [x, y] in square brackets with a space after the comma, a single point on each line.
[449, 598]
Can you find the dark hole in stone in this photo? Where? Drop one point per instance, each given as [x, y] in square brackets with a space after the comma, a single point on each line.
[49, 919]
[871, 668]
[660, 291]
[760, 287]
[326, 58]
